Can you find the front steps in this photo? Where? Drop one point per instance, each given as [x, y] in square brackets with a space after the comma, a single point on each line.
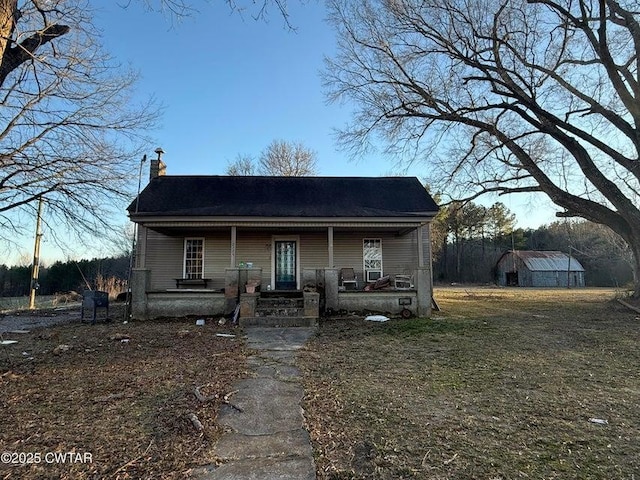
[279, 309]
[278, 322]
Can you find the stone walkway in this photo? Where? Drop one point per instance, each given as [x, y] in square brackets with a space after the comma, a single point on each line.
[267, 440]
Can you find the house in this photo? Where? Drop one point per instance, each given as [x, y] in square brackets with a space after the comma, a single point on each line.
[520, 268]
[208, 243]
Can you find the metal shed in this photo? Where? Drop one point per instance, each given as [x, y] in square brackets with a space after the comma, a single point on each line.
[532, 268]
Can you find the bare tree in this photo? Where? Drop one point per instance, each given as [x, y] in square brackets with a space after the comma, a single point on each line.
[288, 159]
[280, 158]
[69, 129]
[243, 165]
[258, 10]
[503, 96]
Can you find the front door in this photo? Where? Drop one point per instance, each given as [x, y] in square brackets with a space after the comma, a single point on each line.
[285, 260]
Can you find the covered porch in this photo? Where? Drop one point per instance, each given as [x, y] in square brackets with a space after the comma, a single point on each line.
[321, 295]
[205, 267]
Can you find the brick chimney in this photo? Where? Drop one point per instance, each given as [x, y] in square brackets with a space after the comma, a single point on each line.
[157, 168]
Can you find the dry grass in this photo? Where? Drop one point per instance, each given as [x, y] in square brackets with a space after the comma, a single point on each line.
[502, 384]
[126, 403]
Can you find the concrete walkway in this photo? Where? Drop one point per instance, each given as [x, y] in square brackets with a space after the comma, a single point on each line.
[267, 440]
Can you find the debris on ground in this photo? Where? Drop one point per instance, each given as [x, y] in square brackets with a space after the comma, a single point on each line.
[120, 337]
[130, 411]
[61, 349]
[599, 421]
[376, 318]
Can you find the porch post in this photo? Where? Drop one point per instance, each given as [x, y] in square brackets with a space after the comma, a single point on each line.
[330, 242]
[420, 234]
[234, 234]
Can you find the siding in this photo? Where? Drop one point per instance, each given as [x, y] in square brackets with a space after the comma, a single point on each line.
[217, 257]
[399, 253]
[255, 247]
[164, 254]
[164, 257]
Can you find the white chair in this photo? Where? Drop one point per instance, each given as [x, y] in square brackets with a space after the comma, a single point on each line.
[403, 282]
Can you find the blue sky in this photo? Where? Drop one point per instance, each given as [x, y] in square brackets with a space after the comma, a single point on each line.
[230, 85]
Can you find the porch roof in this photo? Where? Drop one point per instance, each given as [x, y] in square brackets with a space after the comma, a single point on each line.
[284, 197]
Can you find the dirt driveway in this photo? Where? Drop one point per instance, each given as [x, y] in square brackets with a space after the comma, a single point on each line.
[30, 320]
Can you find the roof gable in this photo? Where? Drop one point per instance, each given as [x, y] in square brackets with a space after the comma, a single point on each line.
[251, 196]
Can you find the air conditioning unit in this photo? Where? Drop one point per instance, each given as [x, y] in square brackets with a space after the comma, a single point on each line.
[373, 275]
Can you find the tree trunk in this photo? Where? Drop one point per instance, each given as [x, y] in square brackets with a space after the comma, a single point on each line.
[8, 10]
[635, 249]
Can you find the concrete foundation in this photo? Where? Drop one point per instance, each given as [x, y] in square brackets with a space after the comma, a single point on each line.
[248, 303]
[311, 304]
[391, 302]
[181, 303]
[331, 278]
[148, 304]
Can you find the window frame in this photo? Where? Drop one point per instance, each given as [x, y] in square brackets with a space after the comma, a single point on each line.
[364, 260]
[185, 274]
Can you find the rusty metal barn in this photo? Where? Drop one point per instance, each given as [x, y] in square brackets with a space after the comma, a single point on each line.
[529, 268]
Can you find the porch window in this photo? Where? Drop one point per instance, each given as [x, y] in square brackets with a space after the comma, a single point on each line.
[372, 255]
[193, 257]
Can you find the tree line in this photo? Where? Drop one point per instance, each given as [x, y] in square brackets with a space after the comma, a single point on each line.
[468, 239]
[96, 274]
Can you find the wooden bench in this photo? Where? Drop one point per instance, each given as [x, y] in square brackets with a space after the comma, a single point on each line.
[192, 282]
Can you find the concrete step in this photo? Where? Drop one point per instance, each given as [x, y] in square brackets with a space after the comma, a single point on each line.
[279, 312]
[274, 321]
[280, 303]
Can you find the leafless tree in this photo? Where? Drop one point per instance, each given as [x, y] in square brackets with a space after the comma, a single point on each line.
[69, 130]
[502, 96]
[280, 158]
[288, 159]
[258, 10]
[243, 165]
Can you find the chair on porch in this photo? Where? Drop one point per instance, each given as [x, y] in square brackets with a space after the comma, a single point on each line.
[403, 282]
[348, 277]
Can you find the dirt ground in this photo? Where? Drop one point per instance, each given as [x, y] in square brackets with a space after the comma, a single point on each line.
[501, 384]
[116, 400]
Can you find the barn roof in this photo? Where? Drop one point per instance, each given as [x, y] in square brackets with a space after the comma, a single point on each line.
[549, 261]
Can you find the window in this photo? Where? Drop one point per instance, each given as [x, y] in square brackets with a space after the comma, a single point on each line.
[372, 255]
[193, 257]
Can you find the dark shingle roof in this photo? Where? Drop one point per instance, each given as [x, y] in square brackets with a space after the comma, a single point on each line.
[285, 197]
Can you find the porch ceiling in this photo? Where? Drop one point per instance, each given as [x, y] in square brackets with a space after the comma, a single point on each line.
[179, 227]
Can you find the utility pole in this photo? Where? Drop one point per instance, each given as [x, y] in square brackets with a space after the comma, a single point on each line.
[35, 271]
[129, 297]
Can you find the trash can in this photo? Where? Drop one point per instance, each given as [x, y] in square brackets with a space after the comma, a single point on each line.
[92, 300]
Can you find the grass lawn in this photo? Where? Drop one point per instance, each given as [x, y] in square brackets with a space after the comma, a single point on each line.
[126, 403]
[501, 384]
